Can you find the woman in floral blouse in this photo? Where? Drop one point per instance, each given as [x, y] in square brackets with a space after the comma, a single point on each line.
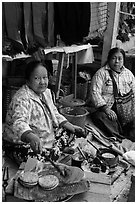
[32, 115]
[102, 96]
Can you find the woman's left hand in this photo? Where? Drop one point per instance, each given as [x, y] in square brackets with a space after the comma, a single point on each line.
[79, 131]
[111, 114]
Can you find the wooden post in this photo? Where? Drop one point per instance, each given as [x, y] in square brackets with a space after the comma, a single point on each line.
[59, 74]
[74, 74]
[111, 31]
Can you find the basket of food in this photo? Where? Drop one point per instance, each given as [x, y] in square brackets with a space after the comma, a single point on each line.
[48, 182]
[28, 179]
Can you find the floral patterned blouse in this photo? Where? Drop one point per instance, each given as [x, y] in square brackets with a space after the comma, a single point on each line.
[27, 113]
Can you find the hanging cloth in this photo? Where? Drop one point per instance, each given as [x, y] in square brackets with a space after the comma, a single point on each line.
[13, 20]
[4, 29]
[50, 24]
[40, 22]
[27, 7]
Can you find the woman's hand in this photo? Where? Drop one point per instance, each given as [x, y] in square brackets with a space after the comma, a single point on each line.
[79, 131]
[111, 114]
[34, 142]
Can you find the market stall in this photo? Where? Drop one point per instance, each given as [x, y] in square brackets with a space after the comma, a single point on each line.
[88, 167]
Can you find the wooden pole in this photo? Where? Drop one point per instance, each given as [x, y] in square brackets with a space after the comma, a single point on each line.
[74, 74]
[59, 74]
[111, 31]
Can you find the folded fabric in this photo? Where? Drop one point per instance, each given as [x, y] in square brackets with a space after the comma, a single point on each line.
[130, 156]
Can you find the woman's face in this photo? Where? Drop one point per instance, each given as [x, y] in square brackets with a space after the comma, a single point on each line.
[39, 79]
[116, 62]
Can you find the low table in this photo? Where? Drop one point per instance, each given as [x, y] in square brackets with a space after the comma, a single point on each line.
[103, 188]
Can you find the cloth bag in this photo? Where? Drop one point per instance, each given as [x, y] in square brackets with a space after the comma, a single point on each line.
[125, 104]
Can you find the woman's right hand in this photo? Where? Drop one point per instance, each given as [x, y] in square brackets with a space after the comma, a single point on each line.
[111, 114]
[34, 142]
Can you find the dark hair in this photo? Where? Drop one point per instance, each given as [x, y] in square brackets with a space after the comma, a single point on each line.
[115, 50]
[30, 68]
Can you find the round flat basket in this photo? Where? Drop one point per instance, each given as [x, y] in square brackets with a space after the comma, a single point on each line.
[48, 182]
[28, 179]
[27, 185]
